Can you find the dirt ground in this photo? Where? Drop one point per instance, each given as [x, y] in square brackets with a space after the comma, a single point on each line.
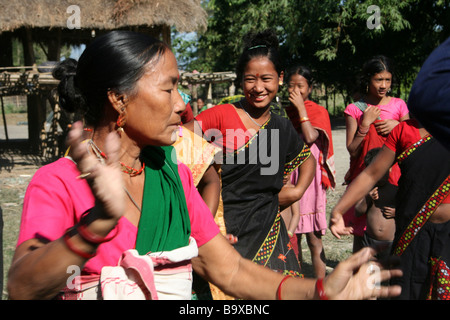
[17, 167]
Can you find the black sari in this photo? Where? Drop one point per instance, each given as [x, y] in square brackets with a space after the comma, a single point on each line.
[424, 247]
[250, 187]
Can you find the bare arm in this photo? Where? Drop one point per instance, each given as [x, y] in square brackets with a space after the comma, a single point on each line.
[310, 134]
[219, 263]
[353, 138]
[289, 194]
[359, 187]
[209, 189]
[39, 269]
[295, 217]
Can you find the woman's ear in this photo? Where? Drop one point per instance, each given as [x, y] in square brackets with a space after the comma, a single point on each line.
[118, 101]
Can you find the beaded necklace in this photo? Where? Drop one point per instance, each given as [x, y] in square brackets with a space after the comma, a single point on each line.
[127, 169]
[132, 171]
[102, 156]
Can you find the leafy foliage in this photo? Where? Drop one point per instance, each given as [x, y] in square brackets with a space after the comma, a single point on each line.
[333, 37]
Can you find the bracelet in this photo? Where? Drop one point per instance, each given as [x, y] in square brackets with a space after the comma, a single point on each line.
[90, 236]
[80, 253]
[321, 290]
[364, 131]
[290, 234]
[358, 134]
[279, 287]
[304, 119]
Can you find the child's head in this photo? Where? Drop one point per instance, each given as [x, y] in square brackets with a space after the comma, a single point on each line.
[370, 156]
[377, 76]
[299, 78]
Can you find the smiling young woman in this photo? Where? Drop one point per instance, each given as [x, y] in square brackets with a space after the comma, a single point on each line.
[251, 198]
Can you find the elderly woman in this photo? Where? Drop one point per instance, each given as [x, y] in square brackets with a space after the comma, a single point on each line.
[124, 212]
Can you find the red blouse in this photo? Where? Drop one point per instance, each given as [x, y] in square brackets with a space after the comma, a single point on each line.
[405, 134]
[223, 126]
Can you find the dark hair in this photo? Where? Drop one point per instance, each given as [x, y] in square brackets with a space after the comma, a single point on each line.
[112, 62]
[373, 66]
[259, 44]
[370, 155]
[300, 70]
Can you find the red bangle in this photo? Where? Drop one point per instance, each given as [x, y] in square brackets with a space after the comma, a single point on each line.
[279, 287]
[78, 252]
[321, 290]
[92, 237]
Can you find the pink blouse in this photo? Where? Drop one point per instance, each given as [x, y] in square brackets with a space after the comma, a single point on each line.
[395, 109]
[56, 199]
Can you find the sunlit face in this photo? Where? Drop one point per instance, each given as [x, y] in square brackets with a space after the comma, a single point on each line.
[299, 84]
[260, 82]
[154, 112]
[380, 84]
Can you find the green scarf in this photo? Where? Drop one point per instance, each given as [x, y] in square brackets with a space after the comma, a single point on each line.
[164, 224]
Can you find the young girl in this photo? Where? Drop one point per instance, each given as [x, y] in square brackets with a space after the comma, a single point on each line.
[312, 122]
[368, 122]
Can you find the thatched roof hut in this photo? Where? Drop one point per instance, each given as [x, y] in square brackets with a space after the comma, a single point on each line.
[185, 15]
[54, 22]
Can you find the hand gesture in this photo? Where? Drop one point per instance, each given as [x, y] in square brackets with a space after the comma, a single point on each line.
[359, 277]
[384, 127]
[388, 212]
[297, 100]
[338, 228]
[370, 115]
[105, 179]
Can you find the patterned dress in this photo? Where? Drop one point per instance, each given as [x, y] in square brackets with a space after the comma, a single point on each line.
[252, 176]
[423, 246]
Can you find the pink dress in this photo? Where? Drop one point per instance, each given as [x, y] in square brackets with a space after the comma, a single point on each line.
[313, 203]
[55, 200]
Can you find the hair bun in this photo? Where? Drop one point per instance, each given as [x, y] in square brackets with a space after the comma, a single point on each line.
[65, 68]
[266, 38]
[70, 98]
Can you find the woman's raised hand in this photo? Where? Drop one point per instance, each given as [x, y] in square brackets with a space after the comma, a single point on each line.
[105, 179]
[297, 100]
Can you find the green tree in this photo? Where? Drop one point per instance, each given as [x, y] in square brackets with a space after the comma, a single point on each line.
[333, 37]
